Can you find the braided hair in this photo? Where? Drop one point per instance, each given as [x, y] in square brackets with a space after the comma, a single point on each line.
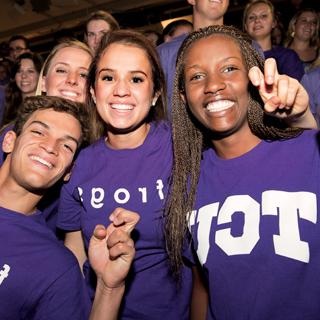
[189, 138]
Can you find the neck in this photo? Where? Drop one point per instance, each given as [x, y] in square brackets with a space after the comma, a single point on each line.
[236, 144]
[13, 196]
[265, 43]
[29, 94]
[299, 44]
[130, 140]
[201, 22]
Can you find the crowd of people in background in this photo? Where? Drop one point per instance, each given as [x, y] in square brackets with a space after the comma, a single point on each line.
[171, 128]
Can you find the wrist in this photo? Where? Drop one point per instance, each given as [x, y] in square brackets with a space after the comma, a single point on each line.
[106, 290]
[304, 120]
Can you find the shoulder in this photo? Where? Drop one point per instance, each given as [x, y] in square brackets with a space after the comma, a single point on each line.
[162, 128]
[172, 45]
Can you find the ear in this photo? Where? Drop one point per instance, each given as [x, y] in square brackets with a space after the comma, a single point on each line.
[167, 38]
[274, 24]
[68, 172]
[183, 97]
[9, 141]
[93, 94]
[155, 98]
[192, 2]
[43, 84]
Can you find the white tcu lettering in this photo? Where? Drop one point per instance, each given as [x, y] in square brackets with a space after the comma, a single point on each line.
[245, 243]
[97, 196]
[4, 273]
[290, 206]
[124, 198]
[204, 219]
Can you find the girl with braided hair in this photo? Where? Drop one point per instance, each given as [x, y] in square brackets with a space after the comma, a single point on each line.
[244, 184]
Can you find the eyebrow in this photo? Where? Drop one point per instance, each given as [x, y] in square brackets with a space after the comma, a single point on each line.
[68, 65]
[44, 125]
[132, 71]
[224, 60]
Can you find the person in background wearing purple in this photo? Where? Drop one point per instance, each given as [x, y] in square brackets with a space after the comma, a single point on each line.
[129, 165]
[246, 189]
[205, 13]
[258, 21]
[39, 277]
[311, 81]
[176, 28]
[97, 24]
[303, 36]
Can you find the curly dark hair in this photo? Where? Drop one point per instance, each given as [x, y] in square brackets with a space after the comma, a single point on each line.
[34, 103]
[189, 138]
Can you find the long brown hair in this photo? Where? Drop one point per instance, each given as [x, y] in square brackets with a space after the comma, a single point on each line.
[136, 39]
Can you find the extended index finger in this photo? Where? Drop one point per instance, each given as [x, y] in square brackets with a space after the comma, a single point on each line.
[270, 71]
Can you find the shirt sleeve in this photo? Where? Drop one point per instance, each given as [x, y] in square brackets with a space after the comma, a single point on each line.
[65, 299]
[70, 208]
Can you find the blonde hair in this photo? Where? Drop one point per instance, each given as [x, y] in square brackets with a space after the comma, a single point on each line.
[249, 6]
[72, 43]
[314, 41]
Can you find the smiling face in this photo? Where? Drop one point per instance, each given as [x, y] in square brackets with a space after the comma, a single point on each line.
[216, 85]
[259, 21]
[27, 77]
[306, 25]
[44, 150]
[67, 74]
[209, 11]
[123, 88]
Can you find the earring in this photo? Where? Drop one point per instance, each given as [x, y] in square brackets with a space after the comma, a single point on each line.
[154, 100]
[292, 34]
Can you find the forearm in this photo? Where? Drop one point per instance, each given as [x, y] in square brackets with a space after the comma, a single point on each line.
[199, 299]
[107, 302]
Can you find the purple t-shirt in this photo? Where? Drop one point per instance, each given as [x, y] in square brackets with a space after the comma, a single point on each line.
[168, 52]
[256, 231]
[311, 82]
[288, 62]
[39, 277]
[135, 179]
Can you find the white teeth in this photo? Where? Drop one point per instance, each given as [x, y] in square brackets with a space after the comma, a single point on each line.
[46, 163]
[122, 106]
[219, 105]
[69, 93]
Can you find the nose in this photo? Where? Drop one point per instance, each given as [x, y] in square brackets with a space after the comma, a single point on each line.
[121, 88]
[23, 74]
[50, 145]
[72, 78]
[214, 84]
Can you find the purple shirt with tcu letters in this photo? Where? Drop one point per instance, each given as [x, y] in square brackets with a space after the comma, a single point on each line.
[39, 277]
[256, 231]
[136, 179]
